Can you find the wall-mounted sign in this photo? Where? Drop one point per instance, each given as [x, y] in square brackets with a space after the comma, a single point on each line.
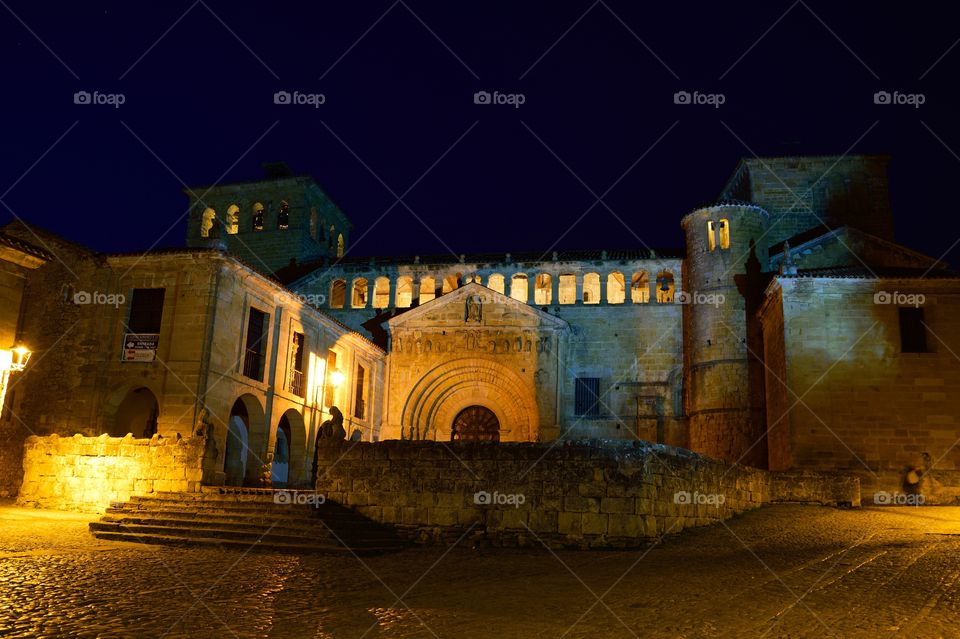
[140, 347]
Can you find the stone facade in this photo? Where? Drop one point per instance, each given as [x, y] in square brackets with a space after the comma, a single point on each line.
[583, 494]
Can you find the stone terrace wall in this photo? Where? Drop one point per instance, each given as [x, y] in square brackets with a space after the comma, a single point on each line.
[87, 473]
[583, 494]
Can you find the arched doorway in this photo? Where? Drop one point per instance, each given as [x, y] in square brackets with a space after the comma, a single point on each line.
[280, 469]
[475, 424]
[237, 449]
[136, 414]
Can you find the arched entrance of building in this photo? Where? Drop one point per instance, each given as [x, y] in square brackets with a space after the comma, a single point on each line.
[280, 469]
[475, 424]
[136, 413]
[239, 459]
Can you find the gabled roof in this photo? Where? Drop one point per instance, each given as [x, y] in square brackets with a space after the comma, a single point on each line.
[822, 234]
[460, 295]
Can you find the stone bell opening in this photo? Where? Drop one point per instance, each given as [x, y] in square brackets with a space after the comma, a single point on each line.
[475, 424]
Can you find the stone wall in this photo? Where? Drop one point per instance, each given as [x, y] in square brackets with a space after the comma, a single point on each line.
[583, 494]
[87, 473]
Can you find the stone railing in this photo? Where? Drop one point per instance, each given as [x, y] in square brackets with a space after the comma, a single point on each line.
[584, 494]
[87, 473]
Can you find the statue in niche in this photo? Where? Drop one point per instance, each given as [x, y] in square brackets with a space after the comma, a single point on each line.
[473, 309]
[398, 344]
[540, 377]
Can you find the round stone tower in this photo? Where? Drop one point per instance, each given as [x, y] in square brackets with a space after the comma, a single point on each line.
[722, 282]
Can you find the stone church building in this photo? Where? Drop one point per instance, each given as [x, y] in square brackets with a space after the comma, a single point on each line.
[790, 331]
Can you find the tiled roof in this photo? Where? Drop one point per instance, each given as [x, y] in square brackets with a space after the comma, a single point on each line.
[877, 272]
[25, 247]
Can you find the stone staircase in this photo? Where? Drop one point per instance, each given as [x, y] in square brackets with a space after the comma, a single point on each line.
[243, 518]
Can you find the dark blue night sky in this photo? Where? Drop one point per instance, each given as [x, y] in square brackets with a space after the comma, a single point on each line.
[598, 81]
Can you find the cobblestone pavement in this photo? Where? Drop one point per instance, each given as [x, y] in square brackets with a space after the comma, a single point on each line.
[783, 571]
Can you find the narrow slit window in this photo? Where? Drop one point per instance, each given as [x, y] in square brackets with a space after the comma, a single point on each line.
[711, 236]
[724, 234]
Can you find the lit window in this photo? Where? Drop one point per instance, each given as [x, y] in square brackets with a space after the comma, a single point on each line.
[568, 289]
[340, 245]
[591, 288]
[338, 294]
[711, 236]
[428, 289]
[543, 291]
[359, 402]
[518, 287]
[404, 291]
[359, 297]
[495, 282]
[296, 382]
[724, 234]
[258, 217]
[616, 288]
[233, 219]
[451, 282]
[640, 288]
[206, 222]
[381, 293]
[665, 287]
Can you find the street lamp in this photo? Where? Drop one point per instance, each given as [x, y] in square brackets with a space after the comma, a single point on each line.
[336, 378]
[21, 355]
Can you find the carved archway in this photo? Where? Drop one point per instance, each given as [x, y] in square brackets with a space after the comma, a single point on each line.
[475, 424]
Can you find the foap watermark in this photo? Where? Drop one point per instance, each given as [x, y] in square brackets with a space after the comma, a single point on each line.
[84, 298]
[310, 299]
[900, 99]
[99, 99]
[512, 99]
[300, 99]
[699, 99]
[483, 498]
[900, 299]
[695, 297]
[298, 497]
[883, 498]
[696, 498]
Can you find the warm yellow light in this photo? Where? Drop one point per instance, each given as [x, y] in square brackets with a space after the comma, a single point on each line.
[336, 378]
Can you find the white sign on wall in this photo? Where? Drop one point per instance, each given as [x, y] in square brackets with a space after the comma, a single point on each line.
[140, 347]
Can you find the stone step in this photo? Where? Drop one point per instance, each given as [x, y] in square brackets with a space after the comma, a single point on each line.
[259, 497]
[309, 528]
[171, 506]
[299, 548]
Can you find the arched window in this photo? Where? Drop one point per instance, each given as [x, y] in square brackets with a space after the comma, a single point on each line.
[568, 289]
[381, 292]
[495, 282]
[724, 234]
[451, 282]
[283, 215]
[358, 299]
[616, 288]
[543, 289]
[206, 222]
[518, 287]
[258, 217]
[404, 291]
[233, 219]
[313, 224]
[338, 293]
[640, 288]
[428, 289]
[665, 287]
[591, 288]
[340, 245]
[711, 236]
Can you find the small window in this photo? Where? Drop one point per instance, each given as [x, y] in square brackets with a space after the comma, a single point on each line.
[913, 331]
[360, 404]
[591, 288]
[665, 287]
[330, 390]
[338, 293]
[233, 219]
[711, 236]
[256, 345]
[258, 217]
[283, 215]
[587, 397]
[640, 288]
[146, 310]
[495, 282]
[358, 299]
[724, 234]
[519, 289]
[340, 245]
[207, 221]
[428, 289]
[297, 344]
[568, 289]
[404, 291]
[616, 288]
[543, 291]
[381, 292]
